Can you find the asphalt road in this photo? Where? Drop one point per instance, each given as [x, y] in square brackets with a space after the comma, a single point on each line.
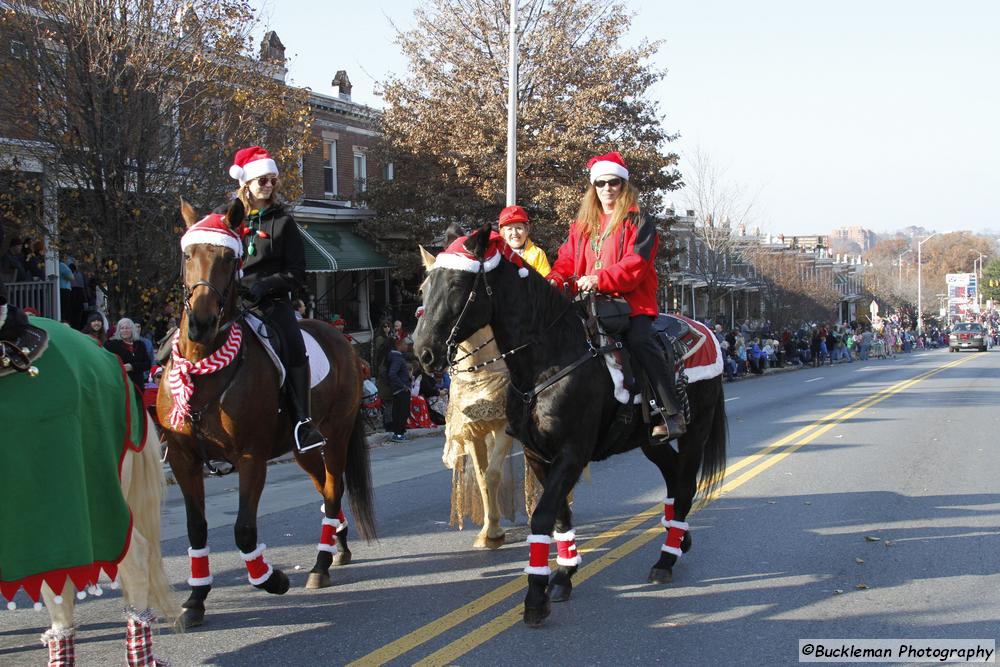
[861, 502]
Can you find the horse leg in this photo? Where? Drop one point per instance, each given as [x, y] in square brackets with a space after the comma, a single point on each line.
[567, 559]
[60, 638]
[332, 547]
[253, 473]
[187, 472]
[488, 477]
[559, 480]
[680, 473]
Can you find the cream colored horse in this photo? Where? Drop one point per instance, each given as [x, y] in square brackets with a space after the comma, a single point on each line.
[477, 448]
[143, 580]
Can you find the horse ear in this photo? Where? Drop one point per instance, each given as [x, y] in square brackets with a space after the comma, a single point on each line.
[188, 213]
[478, 242]
[235, 214]
[427, 257]
[454, 231]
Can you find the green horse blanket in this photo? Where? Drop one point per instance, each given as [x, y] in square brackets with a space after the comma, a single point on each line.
[63, 437]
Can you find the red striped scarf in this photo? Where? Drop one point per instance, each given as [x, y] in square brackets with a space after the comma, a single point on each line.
[181, 370]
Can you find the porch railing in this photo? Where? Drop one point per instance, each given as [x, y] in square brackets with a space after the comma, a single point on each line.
[42, 295]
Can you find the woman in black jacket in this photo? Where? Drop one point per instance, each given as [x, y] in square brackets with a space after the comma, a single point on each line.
[131, 351]
[274, 268]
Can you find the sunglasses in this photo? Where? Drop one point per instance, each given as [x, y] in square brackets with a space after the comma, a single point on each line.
[611, 182]
[267, 180]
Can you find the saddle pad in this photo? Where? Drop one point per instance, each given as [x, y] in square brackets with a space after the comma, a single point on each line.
[319, 364]
[703, 359]
[65, 433]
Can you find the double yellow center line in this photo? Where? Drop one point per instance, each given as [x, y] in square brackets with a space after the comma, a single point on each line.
[751, 466]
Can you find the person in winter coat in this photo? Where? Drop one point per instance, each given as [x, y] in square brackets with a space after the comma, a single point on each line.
[131, 351]
[612, 249]
[515, 228]
[400, 383]
[273, 269]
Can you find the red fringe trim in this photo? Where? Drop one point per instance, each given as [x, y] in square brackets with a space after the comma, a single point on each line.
[82, 576]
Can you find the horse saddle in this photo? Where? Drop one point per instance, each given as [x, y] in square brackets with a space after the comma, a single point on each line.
[270, 339]
[21, 344]
[685, 338]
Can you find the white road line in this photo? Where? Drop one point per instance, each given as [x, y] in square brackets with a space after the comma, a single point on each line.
[872, 368]
[814, 379]
[925, 354]
[734, 398]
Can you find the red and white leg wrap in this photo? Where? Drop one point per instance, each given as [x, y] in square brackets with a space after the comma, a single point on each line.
[538, 557]
[258, 569]
[139, 639]
[328, 538]
[566, 548]
[201, 575]
[62, 647]
[675, 535]
[668, 512]
[340, 516]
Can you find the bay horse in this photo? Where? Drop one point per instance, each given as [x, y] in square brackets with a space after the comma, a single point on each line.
[236, 415]
[561, 404]
[93, 443]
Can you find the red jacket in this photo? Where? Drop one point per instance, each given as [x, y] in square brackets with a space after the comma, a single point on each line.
[627, 258]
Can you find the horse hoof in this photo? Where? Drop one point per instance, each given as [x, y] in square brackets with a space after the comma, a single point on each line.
[342, 558]
[533, 616]
[486, 542]
[660, 576]
[192, 617]
[560, 592]
[276, 584]
[686, 543]
[318, 580]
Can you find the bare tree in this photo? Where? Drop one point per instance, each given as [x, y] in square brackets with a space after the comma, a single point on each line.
[129, 104]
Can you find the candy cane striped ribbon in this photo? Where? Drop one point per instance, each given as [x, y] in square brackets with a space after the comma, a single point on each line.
[181, 370]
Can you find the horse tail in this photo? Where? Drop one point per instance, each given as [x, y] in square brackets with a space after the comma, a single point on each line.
[358, 477]
[145, 498]
[713, 462]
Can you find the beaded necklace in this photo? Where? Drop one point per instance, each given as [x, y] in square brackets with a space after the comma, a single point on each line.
[597, 245]
[254, 220]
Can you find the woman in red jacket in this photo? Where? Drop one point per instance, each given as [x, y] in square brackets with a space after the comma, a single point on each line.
[611, 249]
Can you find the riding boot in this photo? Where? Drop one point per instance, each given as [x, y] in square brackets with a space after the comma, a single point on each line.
[305, 434]
[664, 387]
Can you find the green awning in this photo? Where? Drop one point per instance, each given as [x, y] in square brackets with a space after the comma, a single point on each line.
[332, 248]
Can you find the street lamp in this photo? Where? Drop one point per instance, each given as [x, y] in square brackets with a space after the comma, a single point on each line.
[920, 293]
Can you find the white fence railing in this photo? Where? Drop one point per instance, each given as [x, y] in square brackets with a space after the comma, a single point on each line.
[42, 295]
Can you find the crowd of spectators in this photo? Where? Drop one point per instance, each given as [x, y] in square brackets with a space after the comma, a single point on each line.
[753, 347]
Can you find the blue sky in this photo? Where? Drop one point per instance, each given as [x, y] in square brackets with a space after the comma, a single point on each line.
[882, 113]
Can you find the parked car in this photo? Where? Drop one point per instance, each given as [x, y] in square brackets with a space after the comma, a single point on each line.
[967, 336]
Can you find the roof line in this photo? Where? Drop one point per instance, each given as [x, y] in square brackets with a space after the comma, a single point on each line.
[319, 246]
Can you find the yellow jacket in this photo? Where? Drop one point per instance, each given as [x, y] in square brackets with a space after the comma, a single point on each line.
[535, 257]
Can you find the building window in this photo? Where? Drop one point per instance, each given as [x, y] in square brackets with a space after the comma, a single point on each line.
[360, 172]
[330, 168]
[389, 172]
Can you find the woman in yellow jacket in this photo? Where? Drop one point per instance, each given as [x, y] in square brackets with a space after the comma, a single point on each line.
[516, 229]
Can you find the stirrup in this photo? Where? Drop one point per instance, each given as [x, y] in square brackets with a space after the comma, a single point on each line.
[298, 445]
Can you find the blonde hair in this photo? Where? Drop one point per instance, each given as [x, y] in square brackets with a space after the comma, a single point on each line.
[588, 217]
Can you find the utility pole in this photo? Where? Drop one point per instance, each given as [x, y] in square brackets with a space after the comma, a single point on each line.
[512, 109]
[920, 309]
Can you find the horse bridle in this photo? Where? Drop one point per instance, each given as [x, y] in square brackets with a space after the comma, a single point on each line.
[452, 343]
[223, 296]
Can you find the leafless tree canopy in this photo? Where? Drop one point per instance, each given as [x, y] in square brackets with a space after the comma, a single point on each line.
[129, 104]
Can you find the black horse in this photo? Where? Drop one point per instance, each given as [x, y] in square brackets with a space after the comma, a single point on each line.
[570, 422]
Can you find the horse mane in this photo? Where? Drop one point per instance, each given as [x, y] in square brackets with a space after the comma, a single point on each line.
[547, 303]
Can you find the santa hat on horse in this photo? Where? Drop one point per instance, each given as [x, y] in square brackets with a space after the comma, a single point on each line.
[250, 163]
[457, 256]
[213, 229]
[609, 164]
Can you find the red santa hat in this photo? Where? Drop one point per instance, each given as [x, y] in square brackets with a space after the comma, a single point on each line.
[513, 214]
[213, 229]
[456, 256]
[609, 164]
[250, 163]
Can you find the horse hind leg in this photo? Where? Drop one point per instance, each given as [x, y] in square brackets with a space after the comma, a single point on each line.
[674, 520]
[60, 638]
[326, 473]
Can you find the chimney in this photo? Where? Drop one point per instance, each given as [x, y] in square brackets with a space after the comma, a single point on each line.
[342, 85]
[271, 48]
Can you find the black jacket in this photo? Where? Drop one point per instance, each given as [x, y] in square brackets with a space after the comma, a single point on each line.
[138, 357]
[279, 258]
